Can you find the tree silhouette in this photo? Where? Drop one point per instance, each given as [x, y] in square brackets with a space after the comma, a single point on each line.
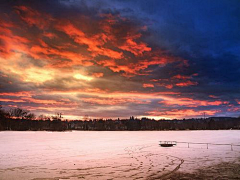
[1, 112]
[21, 113]
[30, 116]
[58, 116]
[18, 113]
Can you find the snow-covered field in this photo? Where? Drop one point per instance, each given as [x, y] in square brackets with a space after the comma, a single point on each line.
[111, 155]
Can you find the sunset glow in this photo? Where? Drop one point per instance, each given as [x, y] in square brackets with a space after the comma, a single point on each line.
[110, 60]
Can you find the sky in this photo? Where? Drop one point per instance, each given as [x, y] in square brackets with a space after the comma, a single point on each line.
[120, 58]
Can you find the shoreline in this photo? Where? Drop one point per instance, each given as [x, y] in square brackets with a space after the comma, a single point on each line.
[119, 130]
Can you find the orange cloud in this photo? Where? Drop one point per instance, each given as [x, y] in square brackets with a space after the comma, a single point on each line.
[49, 35]
[179, 76]
[39, 52]
[182, 77]
[184, 113]
[10, 42]
[117, 94]
[185, 80]
[212, 96]
[148, 85]
[135, 48]
[132, 69]
[22, 98]
[233, 109]
[22, 93]
[186, 83]
[41, 101]
[169, 86]
[95, 43]
[97, 75]
[177, 80]
[11, 100]
[114, 101]
[39, 104]
[189, 102]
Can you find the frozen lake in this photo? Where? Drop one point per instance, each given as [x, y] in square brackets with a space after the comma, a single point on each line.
[110, 155]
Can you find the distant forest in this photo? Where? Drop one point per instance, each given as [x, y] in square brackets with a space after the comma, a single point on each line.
[22, 120]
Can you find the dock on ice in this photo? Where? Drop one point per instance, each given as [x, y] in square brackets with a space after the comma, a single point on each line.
[168, 143]
[174, 143]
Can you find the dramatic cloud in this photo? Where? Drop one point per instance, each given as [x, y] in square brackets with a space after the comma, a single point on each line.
[121, 58]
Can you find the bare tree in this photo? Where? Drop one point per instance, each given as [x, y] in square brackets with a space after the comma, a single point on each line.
[18, 113]
[2, 112]
[30, 116]
[58, 116]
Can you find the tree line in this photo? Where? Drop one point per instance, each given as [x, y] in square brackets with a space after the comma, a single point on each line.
[23, 120]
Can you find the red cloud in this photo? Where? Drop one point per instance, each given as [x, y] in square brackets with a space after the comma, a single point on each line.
[186, 83]
[39, 52]
[181, 77]
[189, 102]
[49, 35]
[10, 41]
[233, 109]
[132, 69]
[177, 80]
[148, 85]
[212, 96]
[33, 17]
[95, 43]
[135, 48]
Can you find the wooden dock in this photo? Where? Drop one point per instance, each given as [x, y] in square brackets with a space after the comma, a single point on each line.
[167, 143]
[173, 143]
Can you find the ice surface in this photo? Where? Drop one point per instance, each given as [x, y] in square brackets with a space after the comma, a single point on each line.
[110, 154]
